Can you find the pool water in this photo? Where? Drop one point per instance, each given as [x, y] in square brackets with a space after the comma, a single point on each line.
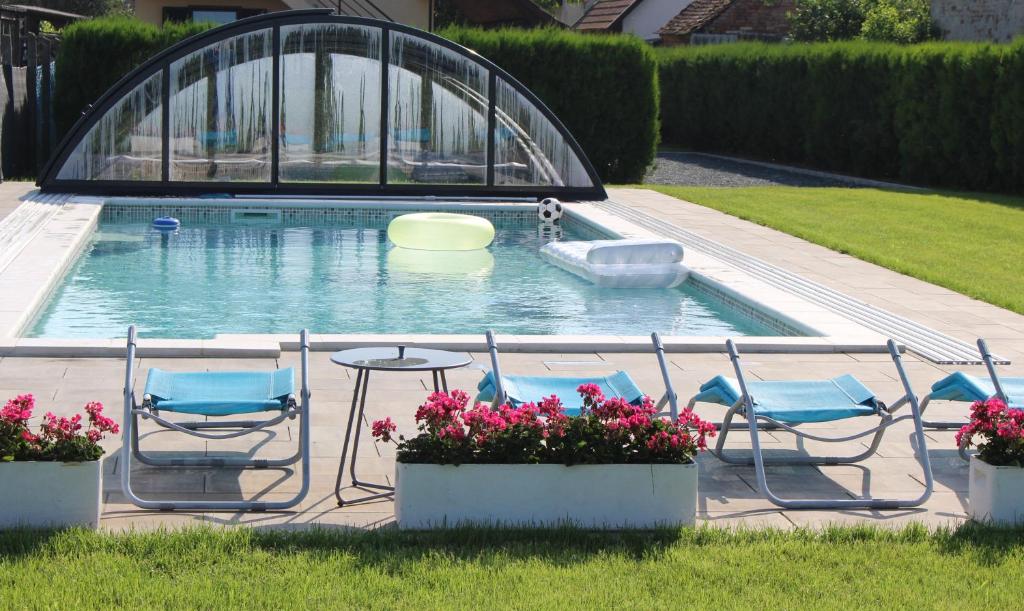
[222, 278]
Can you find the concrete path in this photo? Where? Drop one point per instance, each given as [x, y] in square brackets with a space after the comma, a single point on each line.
[12, 193]
[937, 307]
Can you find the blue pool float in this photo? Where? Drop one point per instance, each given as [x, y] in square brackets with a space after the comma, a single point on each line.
[166, 223]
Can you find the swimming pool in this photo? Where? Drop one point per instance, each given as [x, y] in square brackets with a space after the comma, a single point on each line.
[260, 272]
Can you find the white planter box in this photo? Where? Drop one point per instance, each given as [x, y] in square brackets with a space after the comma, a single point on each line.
[996, 493]
[591, 496]
[44, 494]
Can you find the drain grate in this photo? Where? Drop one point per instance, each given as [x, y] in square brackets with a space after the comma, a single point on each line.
[922, 340]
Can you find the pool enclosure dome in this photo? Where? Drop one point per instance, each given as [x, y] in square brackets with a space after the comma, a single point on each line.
[311, 103]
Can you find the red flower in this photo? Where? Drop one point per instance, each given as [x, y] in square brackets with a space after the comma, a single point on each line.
[382, 429]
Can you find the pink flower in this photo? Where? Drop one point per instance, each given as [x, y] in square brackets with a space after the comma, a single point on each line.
[18, 410]
[382, 429]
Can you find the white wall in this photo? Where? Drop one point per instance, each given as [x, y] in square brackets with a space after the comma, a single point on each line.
[651, 15]
[996, 20]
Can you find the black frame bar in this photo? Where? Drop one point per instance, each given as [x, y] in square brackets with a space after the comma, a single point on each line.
[274, 21]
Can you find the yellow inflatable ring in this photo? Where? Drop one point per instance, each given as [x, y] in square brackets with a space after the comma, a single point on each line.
[441, 231]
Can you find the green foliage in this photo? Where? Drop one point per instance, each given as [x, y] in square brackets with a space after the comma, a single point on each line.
[913, 233]
[824, 20]
[944, 114]
[97, 53]
[902, 21]
[604, 88]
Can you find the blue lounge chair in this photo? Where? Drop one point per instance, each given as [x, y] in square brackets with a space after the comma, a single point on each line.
[497, 388]
[787, 405]
[214, 395]
[966, 388]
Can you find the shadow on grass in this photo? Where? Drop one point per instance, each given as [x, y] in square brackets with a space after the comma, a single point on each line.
[390, 548]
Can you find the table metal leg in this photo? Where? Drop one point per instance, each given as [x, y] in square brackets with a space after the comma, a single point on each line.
[356, 420]
[444, 382]
[433, 374]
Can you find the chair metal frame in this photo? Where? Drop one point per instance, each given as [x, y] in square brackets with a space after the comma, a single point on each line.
[668, 398]
[990, 365]
[133, 412]
[745, 407]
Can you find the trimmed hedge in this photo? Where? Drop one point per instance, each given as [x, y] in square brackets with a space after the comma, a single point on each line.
[94, 54]
[604, 88]
[945, 114]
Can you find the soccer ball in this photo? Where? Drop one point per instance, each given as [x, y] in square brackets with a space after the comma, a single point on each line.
[549, 210]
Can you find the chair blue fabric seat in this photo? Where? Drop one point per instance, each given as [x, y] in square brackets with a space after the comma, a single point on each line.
[798, 401]
[524, 389]
[960, 386]
[220, 393]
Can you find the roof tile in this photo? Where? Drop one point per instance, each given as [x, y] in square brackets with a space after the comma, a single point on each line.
[605, 14]
[695, 16]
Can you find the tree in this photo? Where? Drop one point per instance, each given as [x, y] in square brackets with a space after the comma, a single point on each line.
[825, 20]
[902, 21]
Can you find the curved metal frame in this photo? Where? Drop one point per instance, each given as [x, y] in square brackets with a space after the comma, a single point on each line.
[160, 64]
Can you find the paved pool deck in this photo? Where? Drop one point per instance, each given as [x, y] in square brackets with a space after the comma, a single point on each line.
[728, 495]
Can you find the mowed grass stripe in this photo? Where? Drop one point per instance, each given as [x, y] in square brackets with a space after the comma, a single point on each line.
[840, 568]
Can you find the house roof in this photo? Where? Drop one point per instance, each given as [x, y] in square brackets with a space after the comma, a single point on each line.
[695, 16]
[605, 14]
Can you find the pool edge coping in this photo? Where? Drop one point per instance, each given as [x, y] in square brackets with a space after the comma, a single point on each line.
[828, 333]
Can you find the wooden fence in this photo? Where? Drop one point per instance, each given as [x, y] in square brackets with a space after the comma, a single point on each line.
[27, 130]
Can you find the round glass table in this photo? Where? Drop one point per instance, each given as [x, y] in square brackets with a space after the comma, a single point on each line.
[385, 358]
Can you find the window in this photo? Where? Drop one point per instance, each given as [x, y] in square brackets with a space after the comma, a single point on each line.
[213, 14]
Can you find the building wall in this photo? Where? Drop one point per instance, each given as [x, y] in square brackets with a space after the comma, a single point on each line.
[754, 17]
[153, 10]
[410, 12]
[651, 15]
[996, 20]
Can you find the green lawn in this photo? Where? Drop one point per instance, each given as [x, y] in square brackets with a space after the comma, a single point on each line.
[972, 568]
[970, 243]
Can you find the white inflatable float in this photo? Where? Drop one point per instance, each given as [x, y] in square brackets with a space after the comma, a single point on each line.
[440, 231]
[632, 264]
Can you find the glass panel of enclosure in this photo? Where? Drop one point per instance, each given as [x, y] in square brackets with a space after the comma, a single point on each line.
[125, 143]
[437, 114]
[330, 103]
[220, 111]
[528, 149]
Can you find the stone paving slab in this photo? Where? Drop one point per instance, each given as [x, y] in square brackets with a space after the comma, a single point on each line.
[728, 495]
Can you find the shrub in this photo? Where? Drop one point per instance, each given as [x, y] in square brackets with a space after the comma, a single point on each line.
[945, 114]
[607, 431]
[604, 88]
[96, 53]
